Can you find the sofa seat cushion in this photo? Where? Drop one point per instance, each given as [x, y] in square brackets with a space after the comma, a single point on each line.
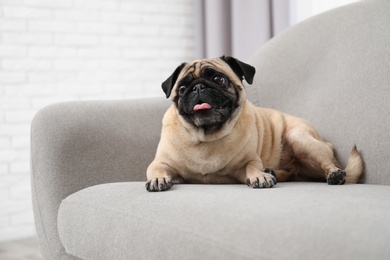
[290, 221]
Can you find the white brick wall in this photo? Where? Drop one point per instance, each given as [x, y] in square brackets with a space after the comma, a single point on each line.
[56, 50]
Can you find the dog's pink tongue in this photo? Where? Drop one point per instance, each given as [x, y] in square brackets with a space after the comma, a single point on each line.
[202, 106]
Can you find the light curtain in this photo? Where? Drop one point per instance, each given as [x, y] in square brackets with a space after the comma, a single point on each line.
[237, 27]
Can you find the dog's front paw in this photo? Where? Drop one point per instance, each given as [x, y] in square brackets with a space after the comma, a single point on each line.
[158, 184]
[336, 178]
[262, 180]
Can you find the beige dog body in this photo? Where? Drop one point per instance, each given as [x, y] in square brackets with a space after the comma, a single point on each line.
[250, 141]
[259, 141]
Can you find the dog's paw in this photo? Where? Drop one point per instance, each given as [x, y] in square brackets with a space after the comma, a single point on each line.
[263, 180]
[336, 178]
[158, 184]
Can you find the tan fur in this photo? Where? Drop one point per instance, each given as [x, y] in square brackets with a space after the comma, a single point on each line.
[355, 166]
[253, 139]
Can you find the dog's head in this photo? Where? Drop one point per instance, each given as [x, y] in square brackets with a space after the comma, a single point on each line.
[208, 92]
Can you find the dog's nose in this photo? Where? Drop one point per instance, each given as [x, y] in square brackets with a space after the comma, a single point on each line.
[198, 88]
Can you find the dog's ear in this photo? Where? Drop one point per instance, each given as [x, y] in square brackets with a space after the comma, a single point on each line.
[168, 84]
[242, 69]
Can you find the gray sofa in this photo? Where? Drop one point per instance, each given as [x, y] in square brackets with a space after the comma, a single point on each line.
[89, 159]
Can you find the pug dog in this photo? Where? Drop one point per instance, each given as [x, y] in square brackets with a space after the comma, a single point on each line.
[212, 134]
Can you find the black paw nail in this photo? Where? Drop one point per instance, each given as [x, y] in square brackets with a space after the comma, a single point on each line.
[267, 170]
[158, 185]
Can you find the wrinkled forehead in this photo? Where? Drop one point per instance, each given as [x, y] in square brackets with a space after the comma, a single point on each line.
[196, 68]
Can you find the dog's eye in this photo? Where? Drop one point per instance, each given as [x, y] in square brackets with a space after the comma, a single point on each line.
[219, 80]
[182, 89]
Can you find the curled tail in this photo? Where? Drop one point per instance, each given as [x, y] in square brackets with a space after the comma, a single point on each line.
[355, 166]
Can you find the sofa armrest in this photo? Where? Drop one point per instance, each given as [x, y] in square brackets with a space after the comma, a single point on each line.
[75, 145]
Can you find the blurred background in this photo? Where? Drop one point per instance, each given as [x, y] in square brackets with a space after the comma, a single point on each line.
[60, 50]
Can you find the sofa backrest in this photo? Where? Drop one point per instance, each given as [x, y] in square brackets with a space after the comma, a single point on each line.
[334, 70]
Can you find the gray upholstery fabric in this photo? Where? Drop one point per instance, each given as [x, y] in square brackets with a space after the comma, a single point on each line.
[332, 70]
[79, 144]
[290, 221]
